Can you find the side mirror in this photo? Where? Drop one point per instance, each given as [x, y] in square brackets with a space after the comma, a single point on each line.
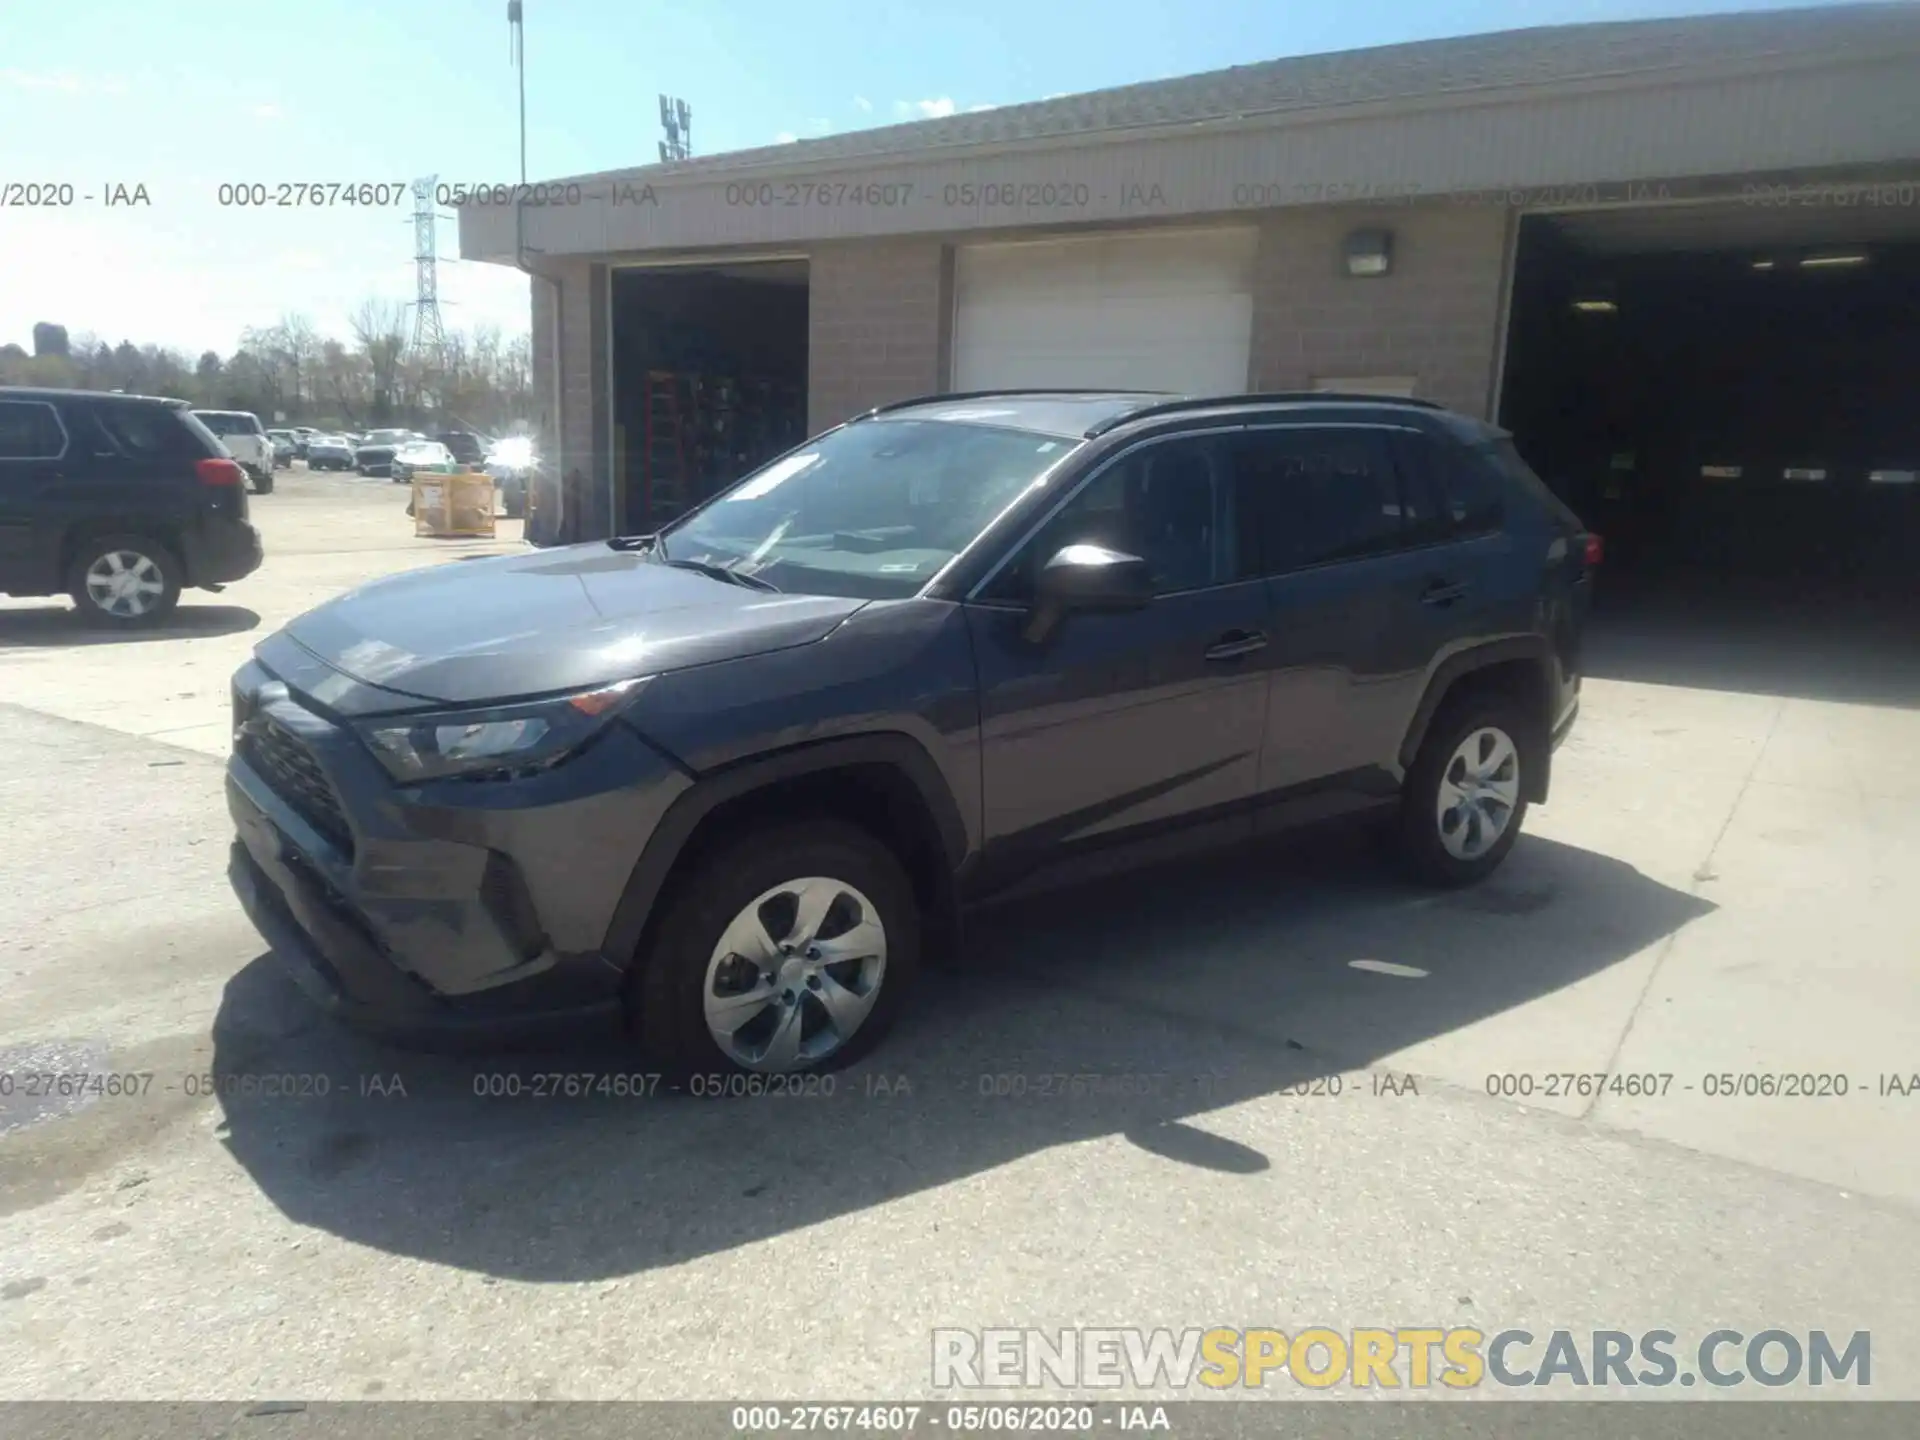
[1087, 578]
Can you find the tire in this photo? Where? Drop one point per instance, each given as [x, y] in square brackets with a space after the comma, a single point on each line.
[90, 582]
[1437, 841]
[263, 484]
[669, 987]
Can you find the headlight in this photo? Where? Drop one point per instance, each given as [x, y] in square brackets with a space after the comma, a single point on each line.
[502, 739]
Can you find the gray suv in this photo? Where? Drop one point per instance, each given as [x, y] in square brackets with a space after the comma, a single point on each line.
[721, 787]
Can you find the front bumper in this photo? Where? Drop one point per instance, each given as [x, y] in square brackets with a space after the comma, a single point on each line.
[461, 913]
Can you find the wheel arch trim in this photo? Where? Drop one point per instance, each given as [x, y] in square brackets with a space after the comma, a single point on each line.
[677, 827]
[1533, 650]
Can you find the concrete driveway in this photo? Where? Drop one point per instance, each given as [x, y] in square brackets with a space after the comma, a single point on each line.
[1325, 1098]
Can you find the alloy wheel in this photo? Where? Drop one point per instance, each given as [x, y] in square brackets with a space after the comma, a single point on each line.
[795, 974]
[1478, 793]
[125, 584]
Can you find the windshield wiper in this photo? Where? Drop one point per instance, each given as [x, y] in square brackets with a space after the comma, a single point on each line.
[722, 572]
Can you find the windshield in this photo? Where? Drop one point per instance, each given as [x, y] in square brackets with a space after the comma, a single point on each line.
[870, 511]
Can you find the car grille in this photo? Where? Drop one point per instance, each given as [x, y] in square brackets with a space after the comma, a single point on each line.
[286, 764]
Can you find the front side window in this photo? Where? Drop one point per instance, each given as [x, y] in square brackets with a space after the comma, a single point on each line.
[30, 430]
[873, 510]
[1167, 502]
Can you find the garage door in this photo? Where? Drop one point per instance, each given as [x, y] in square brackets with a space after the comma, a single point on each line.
[1165, 311]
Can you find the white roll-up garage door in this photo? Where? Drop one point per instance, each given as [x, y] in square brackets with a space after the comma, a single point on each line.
[1166, 310]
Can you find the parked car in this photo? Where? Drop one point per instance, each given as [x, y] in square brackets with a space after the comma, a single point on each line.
[329, 452]
[418, 455]
[120, 501]
[246, 440]
[725, 784]
[302, 434]
[284, 448]
[466, 447]
[374, 454]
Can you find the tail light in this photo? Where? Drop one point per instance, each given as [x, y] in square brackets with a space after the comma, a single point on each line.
[1595, 551]
[215, 471]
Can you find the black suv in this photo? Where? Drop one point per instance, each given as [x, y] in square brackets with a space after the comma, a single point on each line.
[119, 501]
[722, 785]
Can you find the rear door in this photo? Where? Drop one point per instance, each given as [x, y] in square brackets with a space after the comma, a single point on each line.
[1476, 584]
[34, 456]
[1341, 543]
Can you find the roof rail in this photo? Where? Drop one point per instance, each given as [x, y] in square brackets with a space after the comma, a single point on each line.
[1002, 393]
[1271, 397]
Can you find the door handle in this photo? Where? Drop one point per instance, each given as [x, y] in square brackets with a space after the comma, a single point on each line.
[1442, 592]
[1235, 643]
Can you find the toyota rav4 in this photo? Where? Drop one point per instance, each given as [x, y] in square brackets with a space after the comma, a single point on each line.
[724, 785]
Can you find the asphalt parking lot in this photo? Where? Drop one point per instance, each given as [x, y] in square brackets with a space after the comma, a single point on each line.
[1293, 1125]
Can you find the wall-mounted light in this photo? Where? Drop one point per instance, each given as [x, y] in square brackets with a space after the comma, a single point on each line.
[1832, 258]
[1369, 252]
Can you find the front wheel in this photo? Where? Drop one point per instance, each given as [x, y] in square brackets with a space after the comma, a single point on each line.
[788, 951]
[124, 581]
[263, 484]
[1465, 797]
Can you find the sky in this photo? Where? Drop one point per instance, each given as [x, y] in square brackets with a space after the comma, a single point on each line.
[183, 97]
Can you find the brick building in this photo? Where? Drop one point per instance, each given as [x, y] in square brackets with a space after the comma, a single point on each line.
[1440, 218]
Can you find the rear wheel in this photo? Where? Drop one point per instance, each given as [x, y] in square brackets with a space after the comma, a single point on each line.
[124, 581]
[1465, 799]
[263, 484]
[789, 951]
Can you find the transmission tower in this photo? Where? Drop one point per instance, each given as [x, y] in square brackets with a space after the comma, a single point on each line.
[677, 121]
[429, 334]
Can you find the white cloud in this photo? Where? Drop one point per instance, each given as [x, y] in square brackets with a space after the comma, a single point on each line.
[862, 104]
[63, 81]
[1057, 95]
[924, 109]
[976, 109]
[267, 112]
[785, 137]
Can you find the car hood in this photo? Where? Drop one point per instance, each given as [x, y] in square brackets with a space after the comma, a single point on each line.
[474, 631]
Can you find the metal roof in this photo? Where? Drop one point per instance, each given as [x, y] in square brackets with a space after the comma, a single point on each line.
[1388, 74]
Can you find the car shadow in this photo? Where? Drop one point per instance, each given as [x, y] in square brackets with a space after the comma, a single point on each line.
[61, 625]
[1123, 1008]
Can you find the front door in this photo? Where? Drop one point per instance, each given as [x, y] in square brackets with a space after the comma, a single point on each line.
[1126, 726]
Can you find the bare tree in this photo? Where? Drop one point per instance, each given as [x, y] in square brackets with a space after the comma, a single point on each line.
[299, 346]
[379, 327]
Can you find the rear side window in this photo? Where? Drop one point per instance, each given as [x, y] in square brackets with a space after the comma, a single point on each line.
[153, 432]
[30, 430]
[1315, 495]
[1471, 491]
[1509, 462]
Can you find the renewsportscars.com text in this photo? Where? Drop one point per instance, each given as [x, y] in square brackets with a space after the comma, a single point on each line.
[1417, 1358]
